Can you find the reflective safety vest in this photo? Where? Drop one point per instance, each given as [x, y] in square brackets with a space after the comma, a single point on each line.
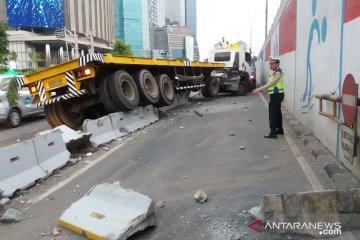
[278, 87]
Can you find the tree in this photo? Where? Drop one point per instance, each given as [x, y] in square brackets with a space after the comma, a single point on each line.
[4, 43]
[12, 56]
[35, 57]
[121, 48]
[12, 93]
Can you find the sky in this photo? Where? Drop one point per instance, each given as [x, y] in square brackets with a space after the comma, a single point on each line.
[233, 19]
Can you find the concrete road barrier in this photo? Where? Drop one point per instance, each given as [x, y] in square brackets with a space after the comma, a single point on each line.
[101, 130]
[124, 123]
[19, 168]
[51, 151]
[74, 140]
[338, 208]
[148, 114]
[109, 211]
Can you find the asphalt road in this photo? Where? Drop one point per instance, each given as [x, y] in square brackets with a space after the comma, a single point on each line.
[169, 161]
[28, 128]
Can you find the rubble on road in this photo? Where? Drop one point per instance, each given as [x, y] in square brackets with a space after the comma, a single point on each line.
[201, 196]
[198, 113]
[123, 212]
[11, 216]
[232, 134]
[160, 204]
[4, 201]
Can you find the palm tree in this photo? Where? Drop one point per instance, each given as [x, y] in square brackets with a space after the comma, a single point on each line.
[35, 58]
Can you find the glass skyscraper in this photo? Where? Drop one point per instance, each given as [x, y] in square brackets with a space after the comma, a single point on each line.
[132, 25]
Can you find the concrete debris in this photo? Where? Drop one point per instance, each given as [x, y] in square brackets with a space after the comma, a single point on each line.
[160, 204]
[198, 113]
[201, 196]
[184, 177]
[267, 157]
[73, 161]
[256, 212]
[199, 103]
[181, 127]
[232, 134]
[11, 216]
[242, 148]
[56, 231]
[89, 154]
[4, 201]
[105, 148]
[122, 212]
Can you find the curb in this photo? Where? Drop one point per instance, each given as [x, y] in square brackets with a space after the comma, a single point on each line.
[334, 169]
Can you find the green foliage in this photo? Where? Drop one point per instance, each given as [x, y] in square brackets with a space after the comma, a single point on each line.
[12, 56]
[12, 93]
[35, 57]
[121, 48]
[4, 43]
[27, 71]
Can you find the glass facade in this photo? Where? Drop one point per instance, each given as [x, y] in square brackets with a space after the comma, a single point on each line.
[129, 25]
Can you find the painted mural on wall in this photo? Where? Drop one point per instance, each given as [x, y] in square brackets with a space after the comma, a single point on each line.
[319, 31]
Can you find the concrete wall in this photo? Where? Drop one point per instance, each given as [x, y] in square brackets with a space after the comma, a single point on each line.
[318, 42]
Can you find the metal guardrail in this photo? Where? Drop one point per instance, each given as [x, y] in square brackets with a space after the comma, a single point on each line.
[334, 99]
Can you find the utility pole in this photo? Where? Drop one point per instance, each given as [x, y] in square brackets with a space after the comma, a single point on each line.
[266, 18]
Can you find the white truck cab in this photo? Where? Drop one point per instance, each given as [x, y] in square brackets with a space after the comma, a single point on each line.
[235, 76]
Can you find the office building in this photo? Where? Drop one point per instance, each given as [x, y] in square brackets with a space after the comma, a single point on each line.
[175, 12]
[157, 13]
[92, 21]
[132, 25]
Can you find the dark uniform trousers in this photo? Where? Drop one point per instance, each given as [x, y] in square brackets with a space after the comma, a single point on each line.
[275, 115]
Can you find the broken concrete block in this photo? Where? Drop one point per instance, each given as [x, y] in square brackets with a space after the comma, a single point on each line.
[73, 139]
[11, 216]
[4, 201]
[200, 196]
[272, 208]
[109, 211]
[256, 212]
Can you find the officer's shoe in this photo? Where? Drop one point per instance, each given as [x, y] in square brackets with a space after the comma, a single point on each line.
[270, 135]
[280, 132]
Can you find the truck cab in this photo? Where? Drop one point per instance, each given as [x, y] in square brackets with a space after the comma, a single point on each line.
[235, 76]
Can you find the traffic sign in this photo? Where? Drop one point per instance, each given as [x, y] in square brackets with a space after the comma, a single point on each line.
[349, 100]
[60, 33]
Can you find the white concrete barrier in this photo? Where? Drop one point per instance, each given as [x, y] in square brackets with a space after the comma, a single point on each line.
[149, 114]
[51, 151]
[109, 211]
[19, 168]
[101, 130]
[124, 123]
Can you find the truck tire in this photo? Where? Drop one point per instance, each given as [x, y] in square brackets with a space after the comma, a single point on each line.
[123, 91]
[212, 88]
[14, 118]
[242, 90]
[166, 91]
[50, 116]
[147, 86]
[69, 113]
[105, 97]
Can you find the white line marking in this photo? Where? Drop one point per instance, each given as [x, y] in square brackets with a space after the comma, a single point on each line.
[315, 183]
[72, 177]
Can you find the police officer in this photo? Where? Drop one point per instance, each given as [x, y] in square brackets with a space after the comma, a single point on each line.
[275, 88]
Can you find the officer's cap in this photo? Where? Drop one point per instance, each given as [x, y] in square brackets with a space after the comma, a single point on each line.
[274, 59]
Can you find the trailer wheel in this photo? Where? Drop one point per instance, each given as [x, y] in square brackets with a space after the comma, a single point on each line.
[50, 116]
[166, 90]
[212, 88]
[147, 86]
[123, 91]
[105, 97]
[69, 113]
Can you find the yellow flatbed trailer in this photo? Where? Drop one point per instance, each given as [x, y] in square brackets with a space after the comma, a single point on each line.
[95, 84]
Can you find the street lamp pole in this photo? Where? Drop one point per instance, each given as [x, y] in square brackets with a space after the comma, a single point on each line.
[266, 18]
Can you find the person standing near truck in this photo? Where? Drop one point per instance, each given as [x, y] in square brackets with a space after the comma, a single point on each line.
[275, 88]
